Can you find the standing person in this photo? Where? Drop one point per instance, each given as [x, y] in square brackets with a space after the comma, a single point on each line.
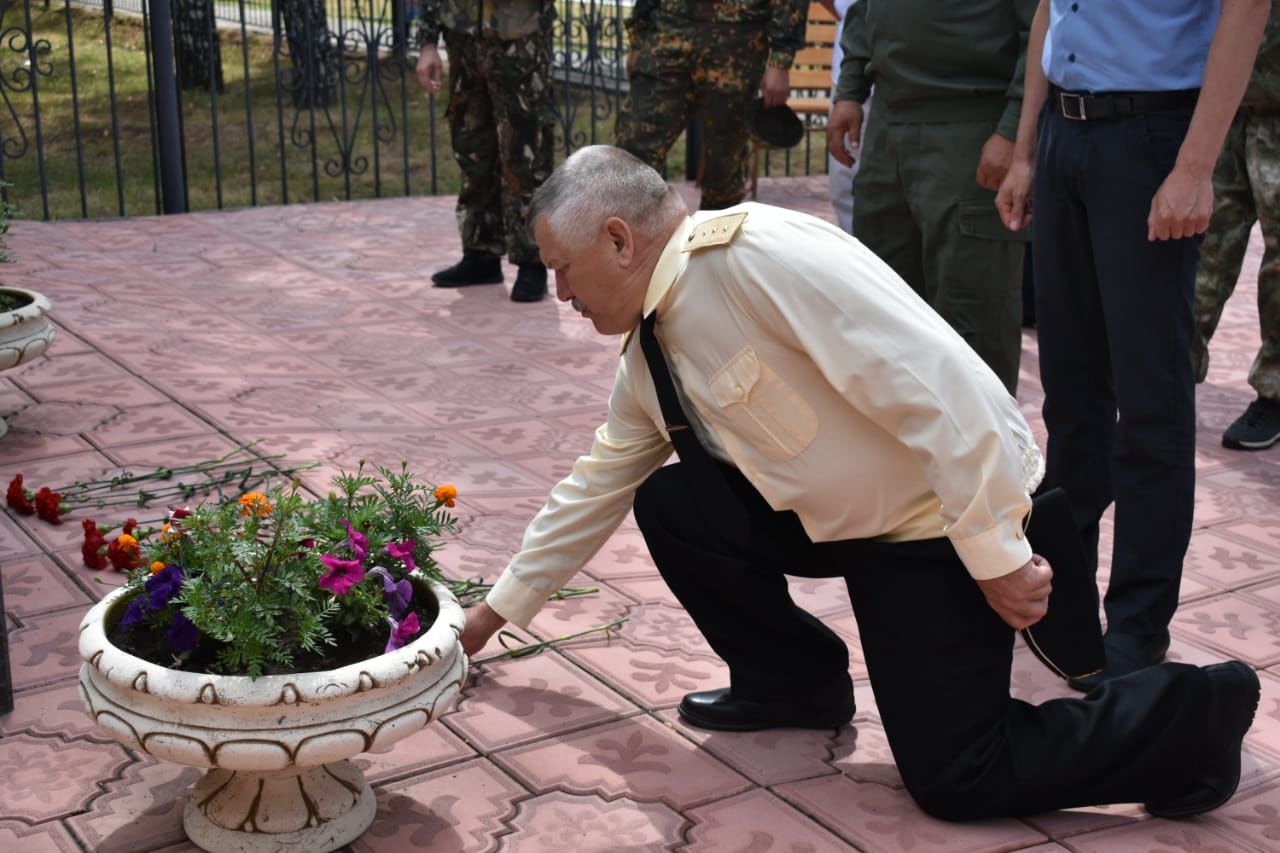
[830, 424]
[1136, 99]
[948, 78]
[502, 125]
[1246, 187]
[701, 57]
[839, 176]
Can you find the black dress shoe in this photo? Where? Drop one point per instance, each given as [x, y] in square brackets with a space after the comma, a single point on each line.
[1232, 703]
[474, 268]
[1126, 653]
[531, 283]
[719, 711]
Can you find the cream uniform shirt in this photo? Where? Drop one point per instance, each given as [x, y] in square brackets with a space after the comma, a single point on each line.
[805, 361]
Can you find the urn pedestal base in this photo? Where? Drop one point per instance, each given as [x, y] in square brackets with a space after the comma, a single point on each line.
[312, 809]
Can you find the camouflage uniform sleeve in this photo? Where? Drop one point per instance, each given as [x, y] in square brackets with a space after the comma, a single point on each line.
[429, 23]
[787, 20]
[854, 84]
[638, 23]
[1024, 11]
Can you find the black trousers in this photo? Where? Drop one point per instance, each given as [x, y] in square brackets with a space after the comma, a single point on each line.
[1114, 319]
[938, 658]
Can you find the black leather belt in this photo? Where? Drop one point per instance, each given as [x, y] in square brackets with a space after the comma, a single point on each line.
[1099, 106]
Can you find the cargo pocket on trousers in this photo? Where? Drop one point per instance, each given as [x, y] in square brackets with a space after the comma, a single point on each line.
[762, 408]
[981, 219]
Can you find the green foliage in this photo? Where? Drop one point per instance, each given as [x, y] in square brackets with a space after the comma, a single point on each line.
[7, 212]
[254, 579]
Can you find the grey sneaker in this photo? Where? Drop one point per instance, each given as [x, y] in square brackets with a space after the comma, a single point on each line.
[1257, 429]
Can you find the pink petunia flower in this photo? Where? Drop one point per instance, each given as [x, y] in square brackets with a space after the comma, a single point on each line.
[342, 574]
[403, 631]
[358, 541]
[403, 551]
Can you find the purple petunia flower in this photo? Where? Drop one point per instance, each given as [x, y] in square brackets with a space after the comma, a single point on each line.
[134, 612]
[182, 635]
[398, 594]
[342, 574]
[163, 586]
[403, 551]
[402, 632]
[358, 541]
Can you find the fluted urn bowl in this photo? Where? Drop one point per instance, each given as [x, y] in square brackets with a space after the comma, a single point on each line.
[276, 747]
[25, 331]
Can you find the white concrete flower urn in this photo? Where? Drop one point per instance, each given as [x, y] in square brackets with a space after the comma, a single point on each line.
[277, 746]
[25, 332]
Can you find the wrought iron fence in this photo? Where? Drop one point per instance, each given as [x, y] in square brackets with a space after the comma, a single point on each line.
[130, 107]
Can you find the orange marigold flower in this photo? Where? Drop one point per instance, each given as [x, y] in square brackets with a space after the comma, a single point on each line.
[255, 503]
[124, 553]
[157, 567]
[447, 495]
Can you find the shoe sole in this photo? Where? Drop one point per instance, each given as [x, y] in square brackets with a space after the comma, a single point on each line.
[1192, 811]
[438, 283]
[528, 298]
[697, 722]
[1236, 444]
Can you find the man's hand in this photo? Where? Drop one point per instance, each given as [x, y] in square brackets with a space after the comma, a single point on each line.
[1022, 597]
[1013, 200]
[1182, 206]
[775, 86]
[845, 123]
[430, 69]
[482, 623]
[631, 62]
[993, 165]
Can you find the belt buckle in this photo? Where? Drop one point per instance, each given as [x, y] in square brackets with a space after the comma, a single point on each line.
[1065, 98]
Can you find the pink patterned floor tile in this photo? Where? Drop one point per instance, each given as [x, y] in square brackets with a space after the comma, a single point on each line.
[770, 757]
[141, 811]
[39, 585]
[585, 613]
[44, 649]
[1227, 564]
[1161, 835]
[1031, 681]
[556, 821]
[51, 710]
[651, 590]
[47, 776]
[1256, 533]
[759, 822]
[50, 837]
[76, 367]
[861, 752]
[820, 596]
[623, 556]
[460, 808]
[21, 446]
[652, 677]
[526, 699]
[115, 391]
[876, 818]
[637, 758]
[149, 423]
[1253, 817]
[432, 746]
[1265, 732]
[14, 541]
[1235, 626]
[1071, 822]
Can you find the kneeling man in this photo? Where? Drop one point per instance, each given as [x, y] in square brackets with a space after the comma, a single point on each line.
[829, 423]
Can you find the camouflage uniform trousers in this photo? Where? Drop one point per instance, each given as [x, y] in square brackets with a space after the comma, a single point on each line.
[709, 68]
[502, 121]
[1246, 185]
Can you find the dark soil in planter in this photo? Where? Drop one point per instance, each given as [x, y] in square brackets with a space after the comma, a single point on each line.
[10, 301]
[148, 643]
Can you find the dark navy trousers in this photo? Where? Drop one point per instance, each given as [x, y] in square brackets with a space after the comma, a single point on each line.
[1114, 319]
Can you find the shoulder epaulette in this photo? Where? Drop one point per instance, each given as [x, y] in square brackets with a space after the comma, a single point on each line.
[719, 231]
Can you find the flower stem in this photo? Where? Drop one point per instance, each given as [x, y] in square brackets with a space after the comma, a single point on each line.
[527, 649]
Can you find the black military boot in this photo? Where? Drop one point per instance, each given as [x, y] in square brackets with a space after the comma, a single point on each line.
[474, 268]
[531, 283]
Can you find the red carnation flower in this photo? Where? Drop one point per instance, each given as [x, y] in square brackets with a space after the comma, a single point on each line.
[124, 553]
[49, 505]
[18, 499]
[129, 525]
[91, 550]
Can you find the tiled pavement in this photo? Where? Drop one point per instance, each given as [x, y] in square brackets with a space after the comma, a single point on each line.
[314, 329]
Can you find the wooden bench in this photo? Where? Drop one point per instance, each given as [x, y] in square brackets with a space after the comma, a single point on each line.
[810, 79]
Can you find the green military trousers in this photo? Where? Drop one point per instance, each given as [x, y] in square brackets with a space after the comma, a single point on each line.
[919, 208]
[1246, 188]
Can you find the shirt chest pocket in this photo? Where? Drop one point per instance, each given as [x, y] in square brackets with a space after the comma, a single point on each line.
[761, 408]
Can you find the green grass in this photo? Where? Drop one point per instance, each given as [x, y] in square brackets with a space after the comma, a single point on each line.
[82, 180]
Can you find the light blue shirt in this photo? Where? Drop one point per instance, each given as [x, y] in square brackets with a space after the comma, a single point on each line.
[1128, 45]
